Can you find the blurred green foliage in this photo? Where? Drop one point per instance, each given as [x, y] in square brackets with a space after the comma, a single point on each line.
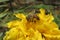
[3, 0]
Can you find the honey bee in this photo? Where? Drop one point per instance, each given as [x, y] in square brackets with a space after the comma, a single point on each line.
[32, 18]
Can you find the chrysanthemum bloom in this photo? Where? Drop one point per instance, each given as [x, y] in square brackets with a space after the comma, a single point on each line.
[32, 27]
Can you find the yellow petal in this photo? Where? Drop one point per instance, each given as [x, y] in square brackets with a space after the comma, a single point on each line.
[20, 15]
[13, 23]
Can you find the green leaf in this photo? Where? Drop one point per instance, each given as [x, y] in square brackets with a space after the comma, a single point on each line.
[1, 35]
[2, 15]
[3, 5]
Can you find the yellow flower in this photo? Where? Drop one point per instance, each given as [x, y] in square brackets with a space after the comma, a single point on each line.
[33, 27]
